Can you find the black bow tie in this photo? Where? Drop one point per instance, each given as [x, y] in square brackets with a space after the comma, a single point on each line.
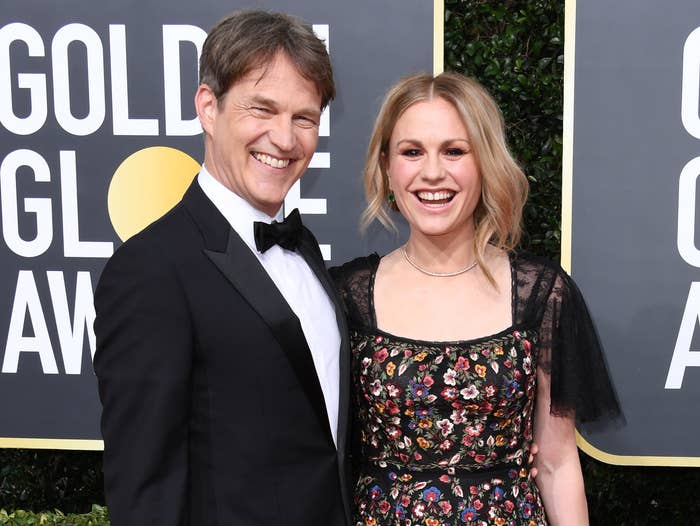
[286, 234]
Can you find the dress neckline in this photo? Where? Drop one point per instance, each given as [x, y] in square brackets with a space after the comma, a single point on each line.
[375, 259]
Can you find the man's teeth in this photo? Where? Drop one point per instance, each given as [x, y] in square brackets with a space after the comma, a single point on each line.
[271, 161]
[435, 196]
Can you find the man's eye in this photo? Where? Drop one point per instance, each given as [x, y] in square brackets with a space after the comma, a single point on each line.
[306, 122]
[260, 110]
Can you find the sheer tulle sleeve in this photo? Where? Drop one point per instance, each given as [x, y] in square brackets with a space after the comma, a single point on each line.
[571, 352]
[354, 281]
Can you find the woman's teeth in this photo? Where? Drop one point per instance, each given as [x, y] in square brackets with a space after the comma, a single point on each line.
[435, 198]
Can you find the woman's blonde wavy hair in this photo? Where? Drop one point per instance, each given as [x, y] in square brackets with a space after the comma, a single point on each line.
[504, 187]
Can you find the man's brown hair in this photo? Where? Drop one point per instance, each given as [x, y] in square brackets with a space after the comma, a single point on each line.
[250, 39]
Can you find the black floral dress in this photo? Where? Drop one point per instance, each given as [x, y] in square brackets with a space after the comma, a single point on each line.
[443, 429]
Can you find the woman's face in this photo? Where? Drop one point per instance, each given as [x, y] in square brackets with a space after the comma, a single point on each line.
[432, 170]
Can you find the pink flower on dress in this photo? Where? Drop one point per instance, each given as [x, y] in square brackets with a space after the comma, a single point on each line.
[450, 377]
[381, 355]
[393, 390]
[445, 426]
[462, 364]
[470, 392]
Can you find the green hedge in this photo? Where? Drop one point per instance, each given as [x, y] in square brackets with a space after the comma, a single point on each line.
[97, 517]
[44, 480]
[515, 49]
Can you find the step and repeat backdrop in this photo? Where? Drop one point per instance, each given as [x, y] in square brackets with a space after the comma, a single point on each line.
[98, 137]
[633, 90]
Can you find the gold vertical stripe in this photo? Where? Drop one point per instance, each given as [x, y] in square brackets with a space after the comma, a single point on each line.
[438, 37]
[568, 135]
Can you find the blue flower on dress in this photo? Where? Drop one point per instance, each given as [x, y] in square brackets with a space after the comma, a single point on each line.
[432, 494]
[469, 515]
[527, 510]
[418, 390]
[498, 494]
[375, 492]
[400, 512]
[511, 388]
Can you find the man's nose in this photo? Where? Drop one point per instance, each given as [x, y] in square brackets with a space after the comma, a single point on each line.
[283, 134]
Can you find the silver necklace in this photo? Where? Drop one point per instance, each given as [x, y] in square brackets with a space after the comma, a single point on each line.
[437, 274]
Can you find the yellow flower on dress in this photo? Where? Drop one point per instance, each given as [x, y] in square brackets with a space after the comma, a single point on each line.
[422, 442]
[390, 368]
[480, 370]
[420, 356]
[425, 423]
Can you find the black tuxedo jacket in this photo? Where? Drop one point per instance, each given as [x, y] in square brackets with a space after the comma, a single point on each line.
[212, 411]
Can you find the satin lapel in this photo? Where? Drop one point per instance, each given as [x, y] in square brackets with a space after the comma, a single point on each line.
[233, 258]
[311, 253]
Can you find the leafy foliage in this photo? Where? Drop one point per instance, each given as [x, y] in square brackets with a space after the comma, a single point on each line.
[515, 49]
[96, 517]
[44, 480]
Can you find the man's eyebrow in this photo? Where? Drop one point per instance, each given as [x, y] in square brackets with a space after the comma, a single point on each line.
[263, 101]
[270, 103]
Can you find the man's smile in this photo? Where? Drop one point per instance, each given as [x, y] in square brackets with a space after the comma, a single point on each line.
[270, 160]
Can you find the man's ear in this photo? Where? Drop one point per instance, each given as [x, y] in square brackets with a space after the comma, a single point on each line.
[206, 104]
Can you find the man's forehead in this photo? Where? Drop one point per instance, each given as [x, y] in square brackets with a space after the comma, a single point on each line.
[267, 78]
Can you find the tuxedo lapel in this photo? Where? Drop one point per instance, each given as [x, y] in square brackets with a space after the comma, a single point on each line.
[233, 258]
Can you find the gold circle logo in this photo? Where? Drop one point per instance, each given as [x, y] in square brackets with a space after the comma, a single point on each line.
[146, 185]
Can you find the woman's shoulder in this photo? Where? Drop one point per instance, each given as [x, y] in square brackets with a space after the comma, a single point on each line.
[354, 283]
[535, 263]
[358, 268]
[533, 268]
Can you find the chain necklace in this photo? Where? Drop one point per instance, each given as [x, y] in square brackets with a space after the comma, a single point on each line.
[437, 274]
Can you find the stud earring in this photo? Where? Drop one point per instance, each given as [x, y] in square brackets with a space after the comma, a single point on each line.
[391, 198]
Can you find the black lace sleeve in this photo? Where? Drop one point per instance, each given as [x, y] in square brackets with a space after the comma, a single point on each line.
[354, 281]
[571, 352]
[569, 349]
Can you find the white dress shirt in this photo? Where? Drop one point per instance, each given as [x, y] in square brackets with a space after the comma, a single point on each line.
[298, 285]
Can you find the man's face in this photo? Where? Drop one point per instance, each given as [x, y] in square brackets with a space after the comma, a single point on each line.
[260, 138]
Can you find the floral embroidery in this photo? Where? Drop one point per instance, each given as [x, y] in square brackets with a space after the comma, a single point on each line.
[444, 431]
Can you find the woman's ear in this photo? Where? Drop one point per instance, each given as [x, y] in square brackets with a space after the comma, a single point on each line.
[384, 166]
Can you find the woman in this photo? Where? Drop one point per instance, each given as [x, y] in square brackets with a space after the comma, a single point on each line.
[464, 350]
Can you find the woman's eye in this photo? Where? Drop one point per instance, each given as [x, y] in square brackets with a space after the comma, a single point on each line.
[411, 152]
[456, 152]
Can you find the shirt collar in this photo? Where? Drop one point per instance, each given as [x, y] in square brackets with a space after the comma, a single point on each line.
[239, 213]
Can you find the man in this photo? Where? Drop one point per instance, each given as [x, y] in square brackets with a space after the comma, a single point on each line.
[222, 358]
